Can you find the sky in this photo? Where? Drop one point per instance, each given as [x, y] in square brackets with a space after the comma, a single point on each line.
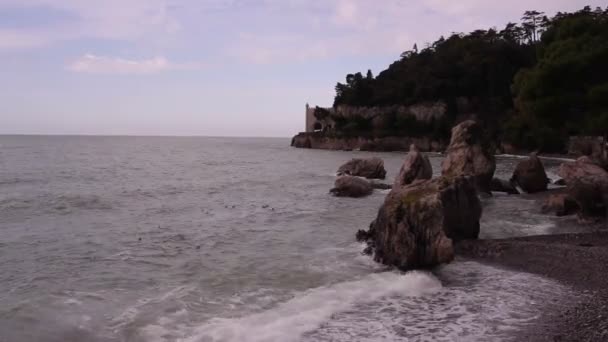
[209, 67]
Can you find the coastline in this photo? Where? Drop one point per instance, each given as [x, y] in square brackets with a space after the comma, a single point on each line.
[579, 261]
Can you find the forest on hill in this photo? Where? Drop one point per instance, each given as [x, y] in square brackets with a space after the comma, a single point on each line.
[531, 84]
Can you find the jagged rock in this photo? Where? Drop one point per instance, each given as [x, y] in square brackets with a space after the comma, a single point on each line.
[560, 204]
[417, 224]
[587, 185]
[416, 166]
[467, 155]
[370, 168]
[349, 186]
[500, 185]
[530, 175]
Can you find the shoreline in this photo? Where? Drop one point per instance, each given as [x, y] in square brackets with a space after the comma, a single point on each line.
[579, 261]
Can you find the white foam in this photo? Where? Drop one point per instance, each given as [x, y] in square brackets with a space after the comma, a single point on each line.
[307, 311]
[477, 303]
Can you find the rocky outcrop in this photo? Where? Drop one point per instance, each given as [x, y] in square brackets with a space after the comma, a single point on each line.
[560, 204]
[500, 185]
[416, 166]
[467, 155]
[349, 186]
[322, 141]
[530, 175]
[302, 140]
[587, 185]
[370, 168]
[418, 223]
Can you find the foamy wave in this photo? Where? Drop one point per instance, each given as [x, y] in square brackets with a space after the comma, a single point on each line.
[307, 311]
[477, 303]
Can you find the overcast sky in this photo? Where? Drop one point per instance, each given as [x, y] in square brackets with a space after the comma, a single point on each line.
[209, 67]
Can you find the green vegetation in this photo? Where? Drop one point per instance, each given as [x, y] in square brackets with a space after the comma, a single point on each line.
[531, 84]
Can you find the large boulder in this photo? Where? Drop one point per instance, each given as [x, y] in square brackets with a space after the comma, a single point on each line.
[468, 155]
[370, 168]
[349, 186]
[417, 224]
[416, 166]
[587, 185]
[530, 175]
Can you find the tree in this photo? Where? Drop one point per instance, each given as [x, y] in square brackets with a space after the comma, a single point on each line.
[531, 22]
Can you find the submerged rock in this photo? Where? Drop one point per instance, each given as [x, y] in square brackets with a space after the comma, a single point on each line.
[416, 166]
[381, 186]
[500, 185]
[587, 185]
[559, 204]
[370, 168]
[467, 155]
[530, 175]
[349, 186]
[417, 224]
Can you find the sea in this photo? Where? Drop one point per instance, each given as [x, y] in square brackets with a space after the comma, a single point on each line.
[233, 239]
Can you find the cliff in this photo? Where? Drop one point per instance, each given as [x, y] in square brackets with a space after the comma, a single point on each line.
[319, 140]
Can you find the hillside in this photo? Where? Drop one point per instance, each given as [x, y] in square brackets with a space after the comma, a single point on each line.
[531, 85]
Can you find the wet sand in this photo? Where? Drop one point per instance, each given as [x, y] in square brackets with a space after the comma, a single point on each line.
[579, 261]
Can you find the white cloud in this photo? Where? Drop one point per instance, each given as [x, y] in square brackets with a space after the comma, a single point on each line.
[93, 64]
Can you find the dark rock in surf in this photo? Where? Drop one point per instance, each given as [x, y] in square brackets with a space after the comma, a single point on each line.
[559, 182]
[416, 166]
[530, 175]
[370, 168]
[587, 185]
[559, 204]
[500, 185]
[381, 186]
[468, 155]
[417, 224]
[349, 186]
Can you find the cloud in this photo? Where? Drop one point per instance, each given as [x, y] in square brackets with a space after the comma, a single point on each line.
[17, 39]
[133, 20]
[93, 64]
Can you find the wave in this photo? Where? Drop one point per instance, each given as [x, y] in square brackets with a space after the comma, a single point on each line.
[62, 204]
[307, 311]
[517, 156]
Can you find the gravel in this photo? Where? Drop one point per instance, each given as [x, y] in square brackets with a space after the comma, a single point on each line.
[579, 261]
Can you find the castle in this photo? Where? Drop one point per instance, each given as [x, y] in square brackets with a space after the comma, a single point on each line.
[314, 125]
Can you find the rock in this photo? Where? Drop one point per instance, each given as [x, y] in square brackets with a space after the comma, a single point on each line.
[559, 182]
[591, 199]
[416, 166]
[349, 186]
[587, 185]
[468, 156]
[381, 186]
[417, 224]
[301, 141]
[530, 175]
[370, 168]
[500, 185]
[560, 204]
